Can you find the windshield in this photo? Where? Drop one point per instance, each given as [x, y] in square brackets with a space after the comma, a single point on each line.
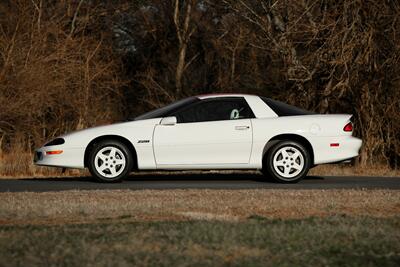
[167, 110]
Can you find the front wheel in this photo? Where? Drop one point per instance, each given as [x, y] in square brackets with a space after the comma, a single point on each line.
[287, 162]
[110, 161]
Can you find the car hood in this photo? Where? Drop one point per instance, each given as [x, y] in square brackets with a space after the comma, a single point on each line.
[130, 130]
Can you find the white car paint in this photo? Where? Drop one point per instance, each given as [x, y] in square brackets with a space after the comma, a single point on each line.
[202, 143]
[230, 144]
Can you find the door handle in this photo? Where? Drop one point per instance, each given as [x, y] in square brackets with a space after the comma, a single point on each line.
[242, 127]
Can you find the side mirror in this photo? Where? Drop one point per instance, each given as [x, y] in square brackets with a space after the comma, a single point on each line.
[168, 121]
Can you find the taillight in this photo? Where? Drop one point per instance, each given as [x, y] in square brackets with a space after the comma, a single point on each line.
[348, 127]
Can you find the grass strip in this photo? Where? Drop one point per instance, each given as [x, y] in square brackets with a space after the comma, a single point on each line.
[255, 241]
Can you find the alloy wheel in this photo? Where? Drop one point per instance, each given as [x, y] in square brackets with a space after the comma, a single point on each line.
[110, 162]
[288, 162]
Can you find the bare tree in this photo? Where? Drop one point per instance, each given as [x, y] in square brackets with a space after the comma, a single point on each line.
[184, 30]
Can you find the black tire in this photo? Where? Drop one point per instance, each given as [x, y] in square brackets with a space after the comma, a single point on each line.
[121, 147]
[276, 174]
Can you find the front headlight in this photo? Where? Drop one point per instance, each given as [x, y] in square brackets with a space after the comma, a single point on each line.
[55, 142]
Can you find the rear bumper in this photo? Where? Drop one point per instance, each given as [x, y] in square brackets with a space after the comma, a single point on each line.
[69, 158]
[348, 148]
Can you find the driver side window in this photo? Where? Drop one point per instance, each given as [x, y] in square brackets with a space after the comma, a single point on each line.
[216, 109]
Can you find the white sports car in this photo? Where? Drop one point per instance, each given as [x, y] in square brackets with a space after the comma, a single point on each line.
[224, 131]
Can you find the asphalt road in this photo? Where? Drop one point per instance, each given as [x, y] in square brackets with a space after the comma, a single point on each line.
[197, 181]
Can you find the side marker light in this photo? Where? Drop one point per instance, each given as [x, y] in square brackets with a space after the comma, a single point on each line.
[54, 152]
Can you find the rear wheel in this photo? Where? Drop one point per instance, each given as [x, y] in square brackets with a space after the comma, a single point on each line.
[110, 161]
[287, 162]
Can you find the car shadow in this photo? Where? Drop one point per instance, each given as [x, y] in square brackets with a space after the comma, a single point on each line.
[166, 176]
[63, 178]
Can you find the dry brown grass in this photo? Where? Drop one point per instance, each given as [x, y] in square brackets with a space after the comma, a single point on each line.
[348, 170]
[159, 205]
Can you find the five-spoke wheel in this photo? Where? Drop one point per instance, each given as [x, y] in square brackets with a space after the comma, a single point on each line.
[110, 161]
[287, 162]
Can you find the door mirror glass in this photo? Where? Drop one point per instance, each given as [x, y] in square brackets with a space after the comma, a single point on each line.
[168, 121]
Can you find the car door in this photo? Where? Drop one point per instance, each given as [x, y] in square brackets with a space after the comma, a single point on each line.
[214, 131]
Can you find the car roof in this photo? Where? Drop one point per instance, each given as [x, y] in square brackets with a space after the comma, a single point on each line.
[222, 95]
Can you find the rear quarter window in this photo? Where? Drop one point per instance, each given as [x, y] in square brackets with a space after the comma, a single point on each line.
[283, 109]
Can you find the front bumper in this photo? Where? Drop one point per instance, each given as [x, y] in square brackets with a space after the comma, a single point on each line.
[69, 158]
